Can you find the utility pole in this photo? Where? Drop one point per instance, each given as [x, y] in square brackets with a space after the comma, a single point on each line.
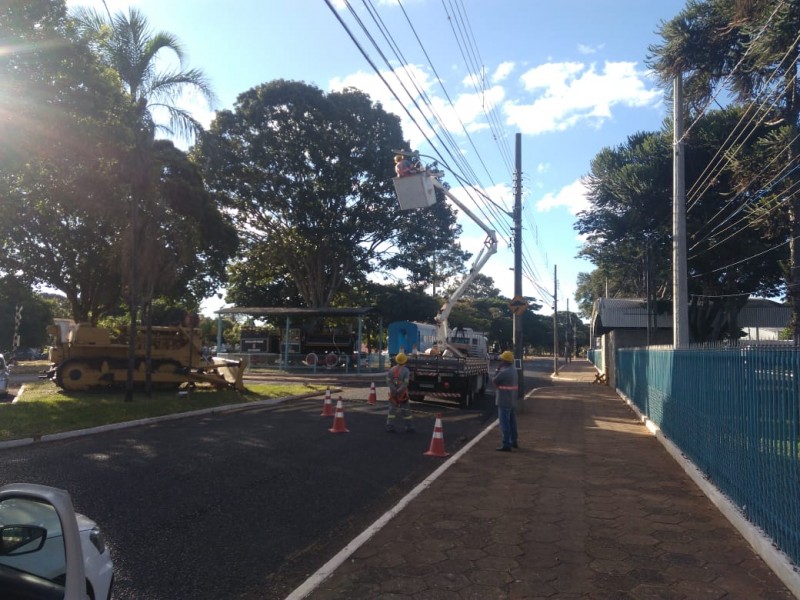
[555, 320]
[680, 309]
[648, 292]
[518, 267]
[566, 335]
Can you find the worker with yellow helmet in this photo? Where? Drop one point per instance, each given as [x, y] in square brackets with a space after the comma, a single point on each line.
[397, 380]
[505, 384]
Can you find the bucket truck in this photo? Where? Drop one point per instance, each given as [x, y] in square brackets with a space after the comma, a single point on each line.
[450, 371]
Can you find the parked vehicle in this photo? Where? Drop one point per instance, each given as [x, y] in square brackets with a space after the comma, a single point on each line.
[23, 354]
[47, 550]
[4, 377]
[90, 359]
[449, 377]
[411, 337]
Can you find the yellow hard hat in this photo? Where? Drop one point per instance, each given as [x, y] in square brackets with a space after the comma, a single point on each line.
[398, 157]
[507, 356]
[401, 359]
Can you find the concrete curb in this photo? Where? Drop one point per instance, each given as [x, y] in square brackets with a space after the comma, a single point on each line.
[52, 437]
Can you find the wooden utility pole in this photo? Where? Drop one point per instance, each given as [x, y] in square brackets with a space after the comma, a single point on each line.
[518, 267]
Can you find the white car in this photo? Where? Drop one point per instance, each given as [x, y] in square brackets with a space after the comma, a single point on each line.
[47, 550]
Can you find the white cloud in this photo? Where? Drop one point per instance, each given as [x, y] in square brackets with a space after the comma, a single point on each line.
[564, 95]
[572, 196]
[114, 6]
[466, 112]
[584, 49]
[413, 78]
[502, 71]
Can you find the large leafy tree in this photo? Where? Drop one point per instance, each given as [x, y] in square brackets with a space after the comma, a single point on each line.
[629, 223]
[750, 49]
[308, 176]
[629, 193]
[427, 251]
[60, 126]
[36, 312]
[189, 240]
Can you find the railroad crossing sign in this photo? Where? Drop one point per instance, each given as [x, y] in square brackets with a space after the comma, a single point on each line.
[518, 305]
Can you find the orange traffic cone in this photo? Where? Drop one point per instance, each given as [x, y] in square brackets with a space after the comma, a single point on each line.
[437, 441]
[327, 408]
[338, 420]
[373, 397]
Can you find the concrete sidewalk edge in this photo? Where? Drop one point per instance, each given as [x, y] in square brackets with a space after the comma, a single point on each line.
[779, 562]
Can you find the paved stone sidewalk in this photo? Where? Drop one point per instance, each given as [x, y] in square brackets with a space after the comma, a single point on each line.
[591, 506]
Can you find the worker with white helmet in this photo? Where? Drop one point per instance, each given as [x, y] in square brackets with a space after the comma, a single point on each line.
[505, 384]
[397, 380]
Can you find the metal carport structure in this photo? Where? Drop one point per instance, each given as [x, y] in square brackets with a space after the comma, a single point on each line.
[289, 313]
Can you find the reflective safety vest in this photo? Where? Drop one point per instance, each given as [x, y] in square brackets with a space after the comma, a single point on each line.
[395, 382]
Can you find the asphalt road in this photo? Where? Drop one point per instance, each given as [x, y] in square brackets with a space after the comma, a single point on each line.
[244, 504]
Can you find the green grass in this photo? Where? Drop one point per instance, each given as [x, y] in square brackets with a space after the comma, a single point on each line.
[44, 409]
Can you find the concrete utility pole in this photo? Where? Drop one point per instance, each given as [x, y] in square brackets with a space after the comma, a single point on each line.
[680, 294]
[518, 265]
[566, 334]
[555, 320]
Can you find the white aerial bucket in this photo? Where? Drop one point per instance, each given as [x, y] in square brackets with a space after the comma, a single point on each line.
[415, 191]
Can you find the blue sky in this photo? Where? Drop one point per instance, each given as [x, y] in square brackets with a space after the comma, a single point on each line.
[569, 76]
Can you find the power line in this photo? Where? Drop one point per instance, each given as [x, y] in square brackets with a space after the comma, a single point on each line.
[749, 258]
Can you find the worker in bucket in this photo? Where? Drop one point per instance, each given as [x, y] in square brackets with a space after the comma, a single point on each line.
[403, 166]
[397, 380]
[505, 384]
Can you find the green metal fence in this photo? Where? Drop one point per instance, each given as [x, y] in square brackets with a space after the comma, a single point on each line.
[735, 413]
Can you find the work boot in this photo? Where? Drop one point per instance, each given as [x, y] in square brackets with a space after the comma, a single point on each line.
[389, 429]
[503, 449]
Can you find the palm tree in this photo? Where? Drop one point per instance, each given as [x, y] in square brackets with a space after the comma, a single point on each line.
[127, 44]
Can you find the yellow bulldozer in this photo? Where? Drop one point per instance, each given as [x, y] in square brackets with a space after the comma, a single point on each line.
[85, 357]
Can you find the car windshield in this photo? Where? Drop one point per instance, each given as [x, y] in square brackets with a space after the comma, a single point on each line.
[43, 558]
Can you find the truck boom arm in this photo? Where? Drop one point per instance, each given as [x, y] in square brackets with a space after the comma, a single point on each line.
[489, 248]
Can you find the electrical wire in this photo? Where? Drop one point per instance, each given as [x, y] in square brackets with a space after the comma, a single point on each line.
[749, 258]
[705, 181]
[494, 213]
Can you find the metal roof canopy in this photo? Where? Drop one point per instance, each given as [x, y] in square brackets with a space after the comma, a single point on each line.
[283, 311]
[289, 313]
[631, 313]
